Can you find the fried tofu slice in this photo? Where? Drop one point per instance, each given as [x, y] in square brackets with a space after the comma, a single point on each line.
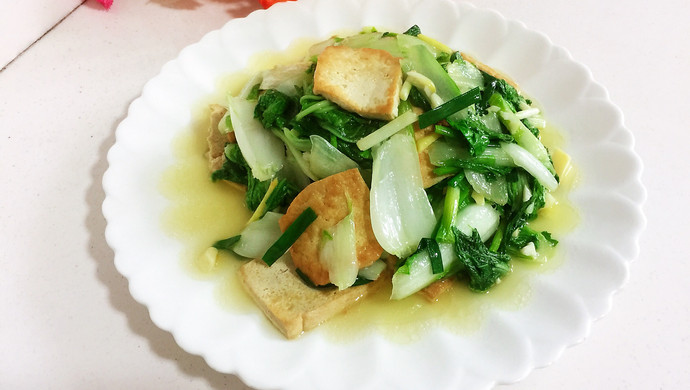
[329, 198]
[292, 306]
[365, 81]
[436, 289]
[217, 140]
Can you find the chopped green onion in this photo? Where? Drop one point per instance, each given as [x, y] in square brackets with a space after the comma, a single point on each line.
[434, 255]
[430, 246]
[289, 236]
[447, 170]
[228, 243]
[445, 130]
[450, 107]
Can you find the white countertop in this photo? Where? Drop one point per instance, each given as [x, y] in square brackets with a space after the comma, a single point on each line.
[67, 319]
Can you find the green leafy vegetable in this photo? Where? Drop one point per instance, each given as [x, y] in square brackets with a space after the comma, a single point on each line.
[282, 195]
[417, 99]
[275, 109]
[484, 268]
[527, 235]
[227, 243]
[495, 85]
[521, 212]
[346, 125]
[234, 168]
[413, 31]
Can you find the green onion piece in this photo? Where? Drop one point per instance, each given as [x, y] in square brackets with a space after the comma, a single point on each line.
[227, 244]
[447, 170]
[435, 256]
[431, 247]
[289, 236]
[445, 130]
[450, 107]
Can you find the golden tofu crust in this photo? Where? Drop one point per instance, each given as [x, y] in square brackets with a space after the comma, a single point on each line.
[329, 198]
[365, 81]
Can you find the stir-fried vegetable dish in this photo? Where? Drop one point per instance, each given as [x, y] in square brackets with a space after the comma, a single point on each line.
[384, 155]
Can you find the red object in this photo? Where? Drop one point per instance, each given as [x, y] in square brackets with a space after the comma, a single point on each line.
[106, 3]
[265, 3]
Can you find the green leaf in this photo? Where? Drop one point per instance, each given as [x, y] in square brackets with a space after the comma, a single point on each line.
[483, 266]
[234, 168]
[413, 31]
[275, 109]
[228, 243]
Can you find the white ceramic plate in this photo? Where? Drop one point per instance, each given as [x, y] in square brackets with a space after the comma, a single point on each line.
[509, 344]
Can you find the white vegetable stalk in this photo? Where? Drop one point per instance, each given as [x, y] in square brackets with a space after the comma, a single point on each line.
[262, 150]
[326, 160]
[495, 190]
[284, 78]
[387, 130]
[246, 90]
[531, 164]
[530, 112]
[405, 90]
[339, 253]
[421, 82]
[373, 271]
[484, 218]
[258, 236]
[421, 274]
[465, 75]
[401, 214]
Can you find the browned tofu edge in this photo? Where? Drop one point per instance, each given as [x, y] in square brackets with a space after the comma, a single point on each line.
[292, 306]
